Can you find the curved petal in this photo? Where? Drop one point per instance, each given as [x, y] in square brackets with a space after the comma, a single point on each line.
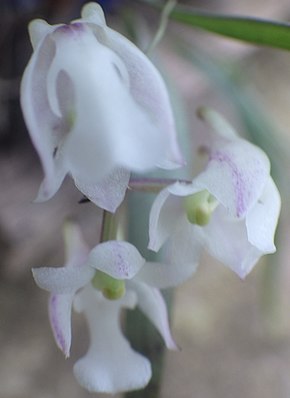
[110, 365]
[92, 12]
[60, 320]
[109, 192]
[181, 257]
[262, 220]
[63, 280]
[183, 189]
[109, 129]
[38, 29]
[147, 88]
[43, 125]
[164, 215]
[75, 274]
[227, 240]
[119, 259]
[153, 306]
[236, 175]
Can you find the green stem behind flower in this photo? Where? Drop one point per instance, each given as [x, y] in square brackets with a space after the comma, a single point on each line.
[141, 334]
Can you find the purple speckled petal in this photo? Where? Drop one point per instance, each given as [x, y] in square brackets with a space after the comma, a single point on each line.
[60, 320]
[107, 193]
[63, 283]
[62, 280]
[236, 175]
[146, 84]
[119, 259]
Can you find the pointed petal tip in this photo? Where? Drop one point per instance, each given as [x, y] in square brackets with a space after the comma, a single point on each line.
[38, 28]
[93, 12]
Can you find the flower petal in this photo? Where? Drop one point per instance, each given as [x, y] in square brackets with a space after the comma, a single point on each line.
[262, 220]
[109, 192]
[38, 29]
[63, 280]
[148, 89]
[165, 213]
[236, 175]
[227, 240]
[109, 128]
[110, 365]
[43, 125]
[92, 12]
[60, 320]
[152, 304]
[119, 259]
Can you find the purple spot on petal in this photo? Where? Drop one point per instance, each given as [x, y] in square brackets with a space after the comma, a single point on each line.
[122, 265]
[70, 29]
[240, 184]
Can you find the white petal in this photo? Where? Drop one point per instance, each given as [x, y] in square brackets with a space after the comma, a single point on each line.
[109, 192]
[149, 91]
[227, 240]
[38, 29]
[92, 12]
[183, 189]
[236, 176]
[152, 304]
[51, 182]
[164, 215]
[262, 220]
[44, 127]
[110, 365]
[180, 256]
[60, 320]
[110, 129]
[63, 280]
[119, 259]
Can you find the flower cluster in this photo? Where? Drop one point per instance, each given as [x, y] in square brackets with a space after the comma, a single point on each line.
[96, 108]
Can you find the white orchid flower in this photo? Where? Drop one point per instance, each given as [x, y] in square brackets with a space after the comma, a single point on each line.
[231, 208]
[95, 107]
[110, 364]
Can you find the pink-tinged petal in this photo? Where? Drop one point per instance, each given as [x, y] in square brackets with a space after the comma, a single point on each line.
[236, 175]
[110, 365]
[164, 215]
[148, 90]
[109, 193]
[153, 306]
[63, 280]
[60, 320]
[262, 220]
[43, 125]
[119, 259]
[51, 183]
[75, 274]
[227, 240]
[109, 128]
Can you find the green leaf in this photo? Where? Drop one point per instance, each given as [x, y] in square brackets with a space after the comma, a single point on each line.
[252, 30]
